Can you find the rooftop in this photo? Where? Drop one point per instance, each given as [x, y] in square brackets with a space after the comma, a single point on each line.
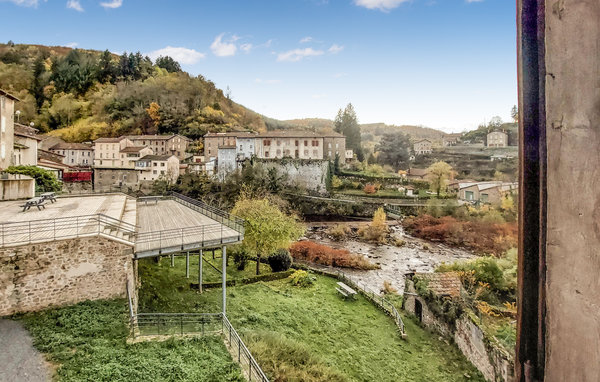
[109, 140]
[6, 94]
[155, 157]
[133, 149]
[71, 146]
[26, 131]
[442, 284]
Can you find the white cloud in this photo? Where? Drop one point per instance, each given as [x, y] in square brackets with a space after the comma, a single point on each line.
[72, 45]
[269, 82]
[306, 39]
[74, 4]
[182, 55]
[382, 5]
[298, 54]
[25, 3]
[335, 48]
[112, 4]
[222, 48]
[473, 1]
[246, 47]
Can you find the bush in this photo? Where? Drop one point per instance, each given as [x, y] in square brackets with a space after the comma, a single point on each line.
[369, 189]
[325, 255]
[240, 257]
[388, 288]
[339, 232]
[302, 279]
[45, 181]
[280, 261]
[376, 231]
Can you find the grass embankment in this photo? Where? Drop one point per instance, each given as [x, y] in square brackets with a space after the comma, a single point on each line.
[311, 334]
[87, 342]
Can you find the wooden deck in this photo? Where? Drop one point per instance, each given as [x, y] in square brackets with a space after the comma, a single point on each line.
[169, 226]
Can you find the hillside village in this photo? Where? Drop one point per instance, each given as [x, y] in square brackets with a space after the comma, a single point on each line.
[187, 218]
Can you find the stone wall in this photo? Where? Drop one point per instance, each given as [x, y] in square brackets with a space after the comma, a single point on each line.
[493, 362]
[38, 276]
[309, 174]
[77, 187]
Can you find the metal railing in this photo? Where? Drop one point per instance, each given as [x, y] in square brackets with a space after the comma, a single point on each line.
[373, 296]
[221, 216]
[43, 230]
[169, 324]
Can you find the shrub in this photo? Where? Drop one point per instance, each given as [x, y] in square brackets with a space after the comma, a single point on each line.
[240, 257]
[45, 181]
[280, 261]
[377, 230]
[369, 189]
[339, 232]
[302, 279]
[325, 255]
[336, 182]
[388, 288]
[399, 242]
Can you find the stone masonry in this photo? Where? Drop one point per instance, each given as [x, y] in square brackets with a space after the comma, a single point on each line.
[38, 276]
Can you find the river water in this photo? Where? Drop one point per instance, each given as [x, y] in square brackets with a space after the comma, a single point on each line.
[394, 261]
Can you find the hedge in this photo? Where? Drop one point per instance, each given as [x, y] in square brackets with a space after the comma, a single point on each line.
[247, 280]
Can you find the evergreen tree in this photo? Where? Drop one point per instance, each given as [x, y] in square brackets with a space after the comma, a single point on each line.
[346, 123]
[168, 63]
[394, 149]
[106, 68]
[38, 83]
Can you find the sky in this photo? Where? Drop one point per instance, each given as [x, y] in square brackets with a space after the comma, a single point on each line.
[446, 64]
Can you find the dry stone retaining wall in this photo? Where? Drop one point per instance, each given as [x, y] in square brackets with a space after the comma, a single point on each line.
[38, 276]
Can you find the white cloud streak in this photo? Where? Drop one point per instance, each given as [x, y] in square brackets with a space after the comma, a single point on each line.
[382, 5]
[298, 54]
[74, 4]
[25, 3]
[182, 55]
[222, 48]
[306, 39]
[113, 4]
[335, 48]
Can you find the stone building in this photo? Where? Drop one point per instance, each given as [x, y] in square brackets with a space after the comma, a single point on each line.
[75, 154]
[424, 146]
[173, 144]
[154, 167]
[497, 139]
[107, 151]
[7, 129]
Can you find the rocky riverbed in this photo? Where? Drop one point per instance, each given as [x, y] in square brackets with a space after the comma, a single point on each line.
[416, 255]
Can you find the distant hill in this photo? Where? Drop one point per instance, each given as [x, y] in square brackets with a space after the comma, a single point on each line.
[82, 95]
[415, 132]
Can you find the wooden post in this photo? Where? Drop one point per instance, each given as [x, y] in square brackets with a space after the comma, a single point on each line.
[224, 277]
[187, 265]
[200, 271]
[172, 260]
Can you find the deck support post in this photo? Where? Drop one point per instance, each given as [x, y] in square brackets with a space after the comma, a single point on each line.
[200, 271]
[224, 277]
[172, 260]
[187, 265]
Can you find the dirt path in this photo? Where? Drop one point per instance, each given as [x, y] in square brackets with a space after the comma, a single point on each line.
[395, 262]
[20, 361]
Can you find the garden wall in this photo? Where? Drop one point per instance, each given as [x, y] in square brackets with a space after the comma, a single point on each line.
[37, 276]
[308, 174]
[492, 361]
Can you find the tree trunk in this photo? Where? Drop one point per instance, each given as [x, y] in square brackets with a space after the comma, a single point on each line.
[258, 265]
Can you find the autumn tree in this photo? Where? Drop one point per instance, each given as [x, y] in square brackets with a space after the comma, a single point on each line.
[267, 228]
[514, 113]
[154, 113]
[438, 175]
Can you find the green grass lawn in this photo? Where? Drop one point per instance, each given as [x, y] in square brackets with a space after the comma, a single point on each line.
[323, 337]
[87, 342]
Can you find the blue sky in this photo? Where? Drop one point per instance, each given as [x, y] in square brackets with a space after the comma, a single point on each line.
[447, 64]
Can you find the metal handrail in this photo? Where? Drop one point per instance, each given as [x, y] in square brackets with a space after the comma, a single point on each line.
[178, 323]
[19, 233]
[221, 216]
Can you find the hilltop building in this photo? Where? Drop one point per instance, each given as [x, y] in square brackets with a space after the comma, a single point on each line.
[497, 139]
[485, 192]
[423, 146]
[451, 139]
[173, 144]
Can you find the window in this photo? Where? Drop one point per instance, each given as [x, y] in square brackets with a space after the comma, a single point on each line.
[241, 147]
[315, 153]
[154, 172]
[337, 145]
[296, 142]
[329, 145]
[72, 152]
[154, 164]
[484, 197]
[101, 163]
[305, 143]
[266, 154]
[267, 142]
[162, 164]
[305, 153]
[72, 160]
[278, 143]
[469, 195]
[278, 152]
[162, 172]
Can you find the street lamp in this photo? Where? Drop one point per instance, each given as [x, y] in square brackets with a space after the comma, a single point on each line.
[18, 114]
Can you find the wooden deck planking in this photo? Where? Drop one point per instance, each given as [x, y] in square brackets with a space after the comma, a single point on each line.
[183, 225]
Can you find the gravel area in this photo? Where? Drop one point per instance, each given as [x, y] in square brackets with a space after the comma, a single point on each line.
[20, 361]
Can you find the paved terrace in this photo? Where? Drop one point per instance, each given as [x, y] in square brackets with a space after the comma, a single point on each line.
[70, 217]
[156, 226]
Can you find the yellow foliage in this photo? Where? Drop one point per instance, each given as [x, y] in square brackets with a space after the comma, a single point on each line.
[486, 309]
[153, 111]
[83, 130]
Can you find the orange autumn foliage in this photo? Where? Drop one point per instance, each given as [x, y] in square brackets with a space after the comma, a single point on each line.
[325, 255]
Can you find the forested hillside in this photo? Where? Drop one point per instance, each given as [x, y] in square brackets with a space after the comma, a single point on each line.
[81, 95]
